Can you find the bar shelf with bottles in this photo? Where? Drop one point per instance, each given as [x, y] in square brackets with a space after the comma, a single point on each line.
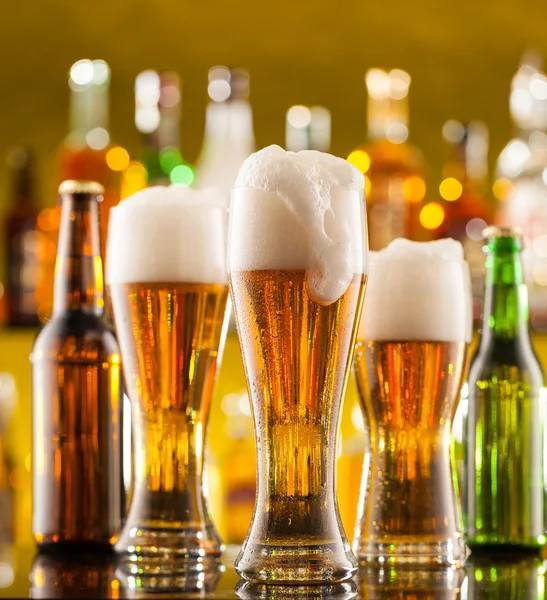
[399, 202]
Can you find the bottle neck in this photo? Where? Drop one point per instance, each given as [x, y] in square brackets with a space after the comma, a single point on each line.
[387, 118]
[505, 314]
[88, 111]
[78, 267]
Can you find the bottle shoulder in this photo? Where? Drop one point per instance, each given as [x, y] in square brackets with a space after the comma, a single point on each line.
[75, 335]
[505, 360]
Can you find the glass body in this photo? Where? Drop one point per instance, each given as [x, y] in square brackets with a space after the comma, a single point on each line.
[296, 354]
[171, 336]
[504, 415]
[77, 395]
[408, 511]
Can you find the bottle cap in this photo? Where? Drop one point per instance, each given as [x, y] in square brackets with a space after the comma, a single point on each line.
[72, 186]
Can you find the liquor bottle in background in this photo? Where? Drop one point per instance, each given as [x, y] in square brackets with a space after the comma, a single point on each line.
[393, 168]
[503, 406]
[307, 128]
[86, 154]
[229, 135]
[158, 102]
[521, 181]
[23, 244]
[463, 189]
[77, 394]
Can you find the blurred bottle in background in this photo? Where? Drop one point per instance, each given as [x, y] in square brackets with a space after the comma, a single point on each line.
[463, 189]
[393, 168]
[158, 102]
[307, 128]
[229, 135]
[86, 154]
[22, 244]
[238, 473]
[8, 402]
[521, 180]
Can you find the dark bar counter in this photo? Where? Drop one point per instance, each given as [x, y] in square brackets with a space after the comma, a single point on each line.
[26, 574]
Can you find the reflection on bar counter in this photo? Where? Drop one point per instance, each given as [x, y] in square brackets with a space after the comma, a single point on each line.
[410, 362]
[297, 265]
[503, 408]
[166, 274]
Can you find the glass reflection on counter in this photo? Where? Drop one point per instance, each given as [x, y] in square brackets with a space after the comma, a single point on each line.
[505, 578]
[410, 584]
[55, 576]
[247, 590]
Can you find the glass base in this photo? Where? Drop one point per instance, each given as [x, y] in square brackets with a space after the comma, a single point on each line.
[154, 551]
[192, 576]
[282, 564]
[416, 554]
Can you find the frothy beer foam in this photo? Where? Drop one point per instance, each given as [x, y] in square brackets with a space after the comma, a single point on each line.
[167, 233]
[418, 291]
[300, 210]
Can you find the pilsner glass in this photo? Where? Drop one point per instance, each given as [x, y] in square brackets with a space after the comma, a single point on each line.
[297, 263]
[410, 363]
[167, 278]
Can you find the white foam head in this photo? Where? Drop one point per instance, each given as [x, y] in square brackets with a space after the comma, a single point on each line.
[300, 210]
[167, 233]
[418, 291]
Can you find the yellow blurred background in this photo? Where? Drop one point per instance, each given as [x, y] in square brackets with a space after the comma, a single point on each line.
[461, 56]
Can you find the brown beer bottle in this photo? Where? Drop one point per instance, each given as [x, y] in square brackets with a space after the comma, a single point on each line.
[77, 393]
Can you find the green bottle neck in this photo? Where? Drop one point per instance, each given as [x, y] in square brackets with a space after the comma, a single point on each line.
[506, 300]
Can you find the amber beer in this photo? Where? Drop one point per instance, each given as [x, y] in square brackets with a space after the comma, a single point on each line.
[167, 279]
[297, 265]
[410, 362]
[409, 438]
[301, 370]
[77, 394]
[171, 347]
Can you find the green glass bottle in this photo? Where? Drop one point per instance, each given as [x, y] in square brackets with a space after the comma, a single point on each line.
[503, 409]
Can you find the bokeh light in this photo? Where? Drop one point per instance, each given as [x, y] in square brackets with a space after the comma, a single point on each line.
[502, 188]
[368, 186]
[117, 158]
[432, 215]
[299, 116]
[450, 189]
[134, 179]
[360, 159]
[170, 157]
[414, 189]
[182, 175]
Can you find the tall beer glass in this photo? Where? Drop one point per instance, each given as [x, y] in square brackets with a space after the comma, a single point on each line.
[297, 264]
[410, 363]
[167, 278]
